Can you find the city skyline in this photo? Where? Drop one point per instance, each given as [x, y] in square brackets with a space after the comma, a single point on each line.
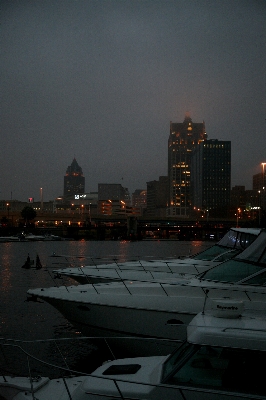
[101, 81]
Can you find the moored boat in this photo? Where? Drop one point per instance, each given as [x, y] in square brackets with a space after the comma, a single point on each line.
[10, 238]
[233, 243]
[222, 358]
[161, 309]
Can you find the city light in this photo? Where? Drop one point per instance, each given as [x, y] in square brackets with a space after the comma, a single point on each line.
[263, 184]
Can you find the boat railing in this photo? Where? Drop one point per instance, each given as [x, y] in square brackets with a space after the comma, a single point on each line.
[119, 276]
[183, 391]
[114, 264]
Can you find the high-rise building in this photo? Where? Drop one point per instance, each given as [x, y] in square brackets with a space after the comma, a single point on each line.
[74, 181]
[183, 138]
[211, 176]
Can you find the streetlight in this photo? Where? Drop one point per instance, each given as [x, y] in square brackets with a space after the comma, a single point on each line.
[263, 184]
[237, 216]
[90, 212]
[259, 204]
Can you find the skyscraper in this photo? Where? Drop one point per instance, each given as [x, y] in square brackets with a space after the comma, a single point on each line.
[211, 176]
[74, 181]
[183, 138]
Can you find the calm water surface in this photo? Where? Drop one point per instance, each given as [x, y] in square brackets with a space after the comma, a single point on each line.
[24, 321]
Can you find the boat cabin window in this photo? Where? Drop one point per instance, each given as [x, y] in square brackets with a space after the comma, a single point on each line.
[231, 271]
[234, 370]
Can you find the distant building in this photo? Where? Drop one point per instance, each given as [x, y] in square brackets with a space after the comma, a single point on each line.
[259, 186]
[211, 176]
[238, 197]
[244, 199]
[157, 195]
[17, 206]
[74, 181]
[183, 138]
[252, 199]
[139, 201]
[113, 198]
[113, 191]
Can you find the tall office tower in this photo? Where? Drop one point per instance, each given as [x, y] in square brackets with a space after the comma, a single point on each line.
[211, 176]
[184, 137]
[74, 181]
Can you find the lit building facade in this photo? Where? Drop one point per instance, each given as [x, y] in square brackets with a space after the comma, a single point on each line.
[74, 181]
[113, 198]
[211, 176]
[139, 201]
[183, 138]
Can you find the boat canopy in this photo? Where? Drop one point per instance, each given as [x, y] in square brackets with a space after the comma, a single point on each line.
[255, 252]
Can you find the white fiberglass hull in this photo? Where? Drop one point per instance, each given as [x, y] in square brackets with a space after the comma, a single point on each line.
[149, 310]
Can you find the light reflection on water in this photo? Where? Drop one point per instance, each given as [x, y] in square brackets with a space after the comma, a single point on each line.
[23, 320]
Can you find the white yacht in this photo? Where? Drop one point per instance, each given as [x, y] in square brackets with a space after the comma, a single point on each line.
[33, 238]
[234, 242]
[222, 358]
[161, 309]
[10, 239]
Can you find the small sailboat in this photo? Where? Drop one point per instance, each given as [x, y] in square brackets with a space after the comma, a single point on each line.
[27, 263]
[38, 262]
[30, 263]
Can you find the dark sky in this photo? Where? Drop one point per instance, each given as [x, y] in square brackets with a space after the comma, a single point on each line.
[101, 81]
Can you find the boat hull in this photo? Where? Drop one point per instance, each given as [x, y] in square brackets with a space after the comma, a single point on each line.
[163, 331]
[152, 310]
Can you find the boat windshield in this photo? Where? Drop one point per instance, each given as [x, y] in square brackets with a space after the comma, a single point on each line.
[177, 358]
[227, 369]
[237, 239]
[211, 253]
[232, 271]
[216, 252]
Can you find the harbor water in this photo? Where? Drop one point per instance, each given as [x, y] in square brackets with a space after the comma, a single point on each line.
[37, 327]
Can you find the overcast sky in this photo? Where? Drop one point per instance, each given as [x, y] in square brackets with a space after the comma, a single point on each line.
[100, 80]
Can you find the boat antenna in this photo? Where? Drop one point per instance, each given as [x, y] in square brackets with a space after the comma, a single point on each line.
[206, 295]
